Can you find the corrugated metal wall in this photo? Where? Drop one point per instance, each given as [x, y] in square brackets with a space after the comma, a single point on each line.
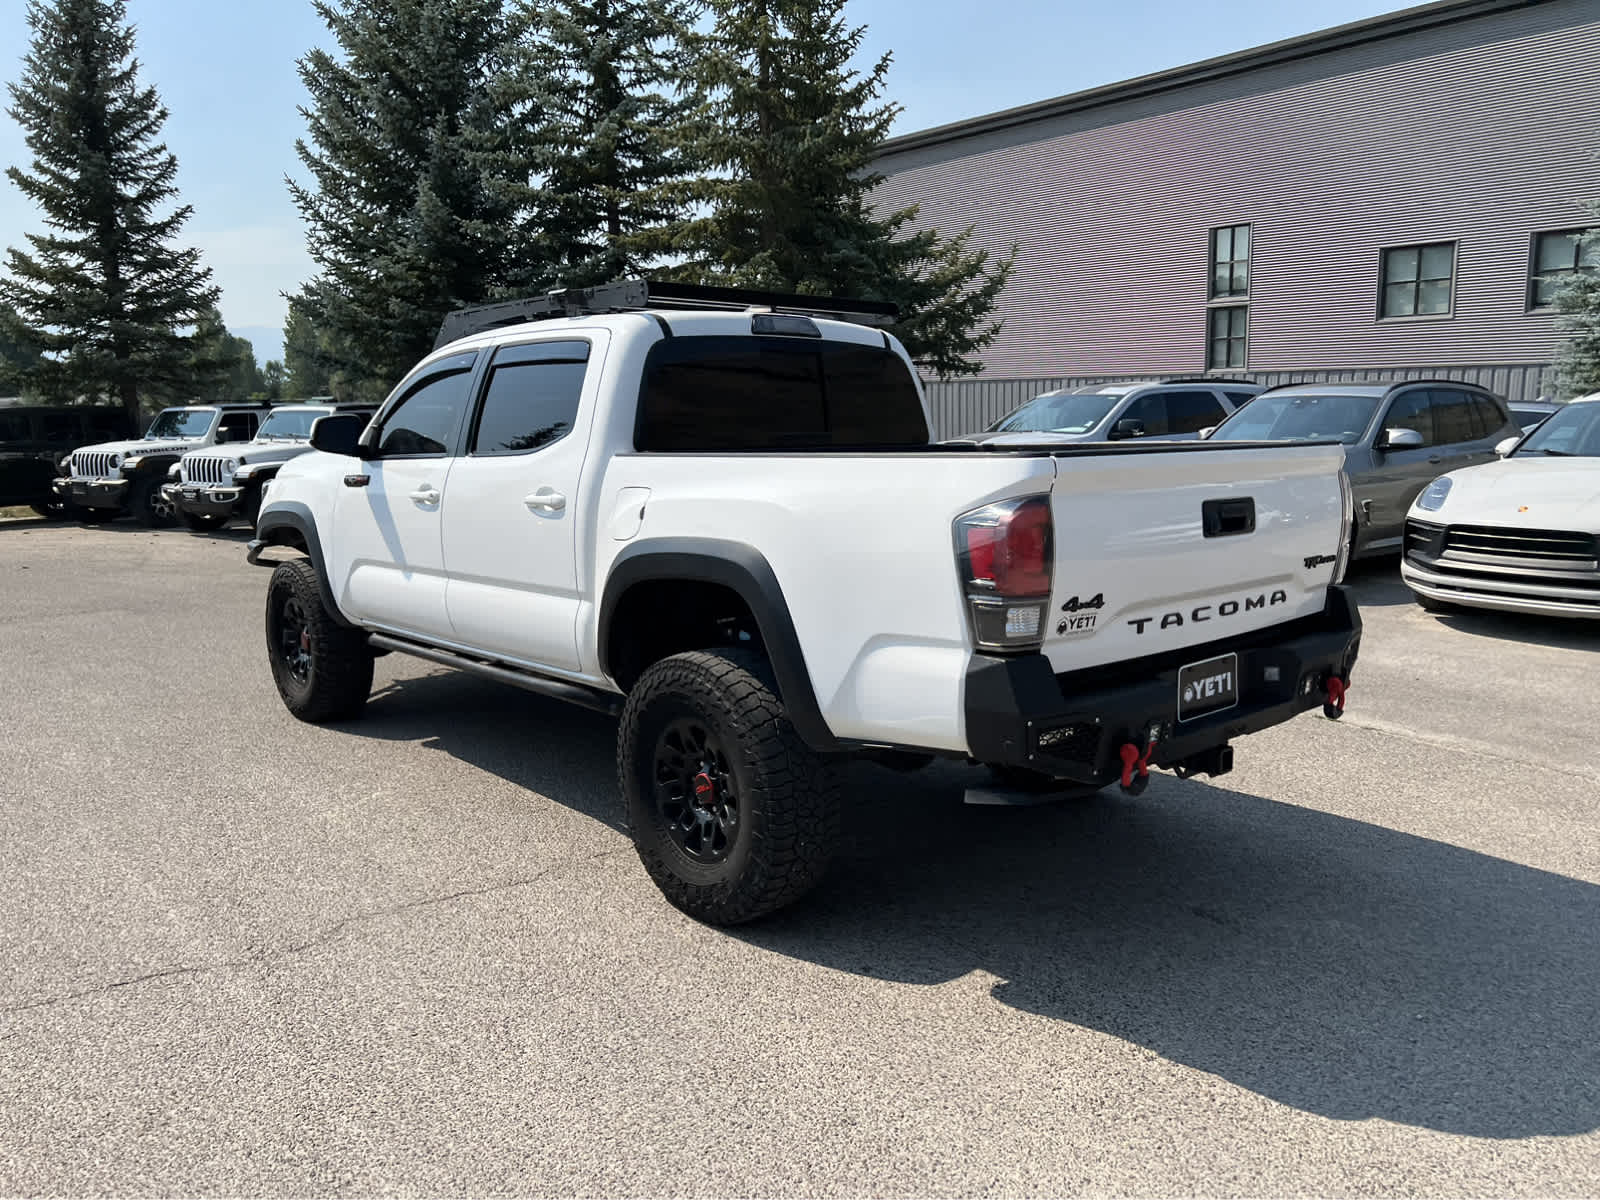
[1482, 131]
[962, 406]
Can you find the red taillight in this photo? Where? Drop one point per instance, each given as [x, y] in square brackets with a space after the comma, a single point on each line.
[1008, 546]
[1005, 554]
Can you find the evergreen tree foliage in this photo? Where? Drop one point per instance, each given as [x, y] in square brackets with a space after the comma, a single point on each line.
[606, 75]
[419, 156]
[308, 361]
[17, 355]
[1578, 363]
[106, 293]
[272, 379]
[789, 132]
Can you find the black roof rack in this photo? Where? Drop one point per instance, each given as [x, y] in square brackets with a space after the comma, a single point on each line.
[636, 295]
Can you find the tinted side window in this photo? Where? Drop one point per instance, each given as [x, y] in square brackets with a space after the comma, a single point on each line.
[1190, 412]
[14, 427]
[236, 427]
[532, 397]
[755, 393]
[1151, 410]
[1240, 398]
[426, 420]
[1412, 411]
[1490, 418]
[60, 428]
[1453, 417]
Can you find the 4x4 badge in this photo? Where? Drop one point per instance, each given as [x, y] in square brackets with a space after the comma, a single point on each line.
[1082, 614]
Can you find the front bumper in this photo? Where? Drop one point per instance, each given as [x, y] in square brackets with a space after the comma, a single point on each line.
[206, 499]
[1520, 594]
[1020, 713]
[92, 493]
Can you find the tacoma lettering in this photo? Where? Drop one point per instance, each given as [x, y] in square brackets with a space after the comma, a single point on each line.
[1205, 612]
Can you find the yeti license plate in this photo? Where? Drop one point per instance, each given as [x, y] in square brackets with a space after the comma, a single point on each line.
[1208, 687]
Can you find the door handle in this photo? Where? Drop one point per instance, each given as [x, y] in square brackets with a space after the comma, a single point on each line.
[426, 495]
[1435, 459]
[546, 499]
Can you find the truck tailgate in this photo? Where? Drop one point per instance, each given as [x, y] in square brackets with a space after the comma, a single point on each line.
[1158, 551]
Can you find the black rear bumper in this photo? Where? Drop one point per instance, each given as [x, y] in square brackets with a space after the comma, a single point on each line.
[1020, 713]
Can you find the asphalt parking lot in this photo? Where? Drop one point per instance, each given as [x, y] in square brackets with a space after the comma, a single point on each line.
[415, 954]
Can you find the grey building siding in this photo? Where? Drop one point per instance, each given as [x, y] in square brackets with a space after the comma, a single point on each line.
[1481, 130]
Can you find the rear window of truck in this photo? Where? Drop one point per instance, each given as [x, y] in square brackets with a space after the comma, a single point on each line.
[775, 393]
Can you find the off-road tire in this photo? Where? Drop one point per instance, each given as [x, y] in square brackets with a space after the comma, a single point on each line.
[330, 676]
[96, 516]
[52, 510]
[787, 796]
[203, 522]
[148, 506]
[250, 506]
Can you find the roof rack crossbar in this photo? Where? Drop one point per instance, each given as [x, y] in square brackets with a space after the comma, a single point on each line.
[636, 295]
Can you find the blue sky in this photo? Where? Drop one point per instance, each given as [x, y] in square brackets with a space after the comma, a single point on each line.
[226, 70]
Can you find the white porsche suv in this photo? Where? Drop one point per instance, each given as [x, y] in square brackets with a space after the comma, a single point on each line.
[1521, 534]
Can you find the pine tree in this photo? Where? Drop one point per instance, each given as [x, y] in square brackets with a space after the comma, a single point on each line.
[106, 293]
[606, 75]
[790, 130]
[1578, 364]
[308, 362]
[420, 168]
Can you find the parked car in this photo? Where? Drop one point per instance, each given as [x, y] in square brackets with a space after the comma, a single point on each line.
[33, 437]
[1521, 534]
[1397, 438]
[212, 484]
[681, 514]
[1175, 410]
[1528, 413]
[104, 481]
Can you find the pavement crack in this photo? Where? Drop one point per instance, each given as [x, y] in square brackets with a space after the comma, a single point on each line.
[268, 955]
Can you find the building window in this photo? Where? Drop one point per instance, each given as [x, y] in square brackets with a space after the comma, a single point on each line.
[1557, 257]
[1418, 280]
[1226, 346]
[1230, 261]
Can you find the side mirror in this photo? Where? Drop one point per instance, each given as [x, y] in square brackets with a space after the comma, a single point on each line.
[1127, 428]
[1399, 439]
[1506, 447]
[339, 433]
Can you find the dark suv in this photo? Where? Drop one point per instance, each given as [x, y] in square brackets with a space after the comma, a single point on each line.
[33, 437]
[1398, 438]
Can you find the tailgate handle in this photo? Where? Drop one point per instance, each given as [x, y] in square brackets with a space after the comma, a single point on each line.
[1225, 518]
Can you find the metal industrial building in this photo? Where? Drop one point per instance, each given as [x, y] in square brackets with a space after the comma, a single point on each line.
[1388, 198]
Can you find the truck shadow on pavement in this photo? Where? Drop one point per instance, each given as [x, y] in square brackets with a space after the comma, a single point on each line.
[1332, 965]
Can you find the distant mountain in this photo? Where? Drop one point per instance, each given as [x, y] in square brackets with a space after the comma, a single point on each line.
[264, 340]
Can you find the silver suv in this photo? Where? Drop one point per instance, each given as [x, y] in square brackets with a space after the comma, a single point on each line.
[1398, 438]
[1171, 410]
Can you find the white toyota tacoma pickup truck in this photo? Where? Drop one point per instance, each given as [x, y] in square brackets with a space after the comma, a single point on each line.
[723, 517]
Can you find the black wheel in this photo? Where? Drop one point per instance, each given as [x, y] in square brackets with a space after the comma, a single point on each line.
[150, 507]
[1021, 779]
[96, 516]
[203, 522]
[732, 814]
[250, 506]
[323, 669]
[55, 510]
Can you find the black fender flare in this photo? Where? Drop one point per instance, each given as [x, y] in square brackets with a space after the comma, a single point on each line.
[156, 465]
[292, 514]
[745, 571]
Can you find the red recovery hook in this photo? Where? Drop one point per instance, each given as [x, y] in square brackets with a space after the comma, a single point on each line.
[1333, 706]
[1136, 766]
